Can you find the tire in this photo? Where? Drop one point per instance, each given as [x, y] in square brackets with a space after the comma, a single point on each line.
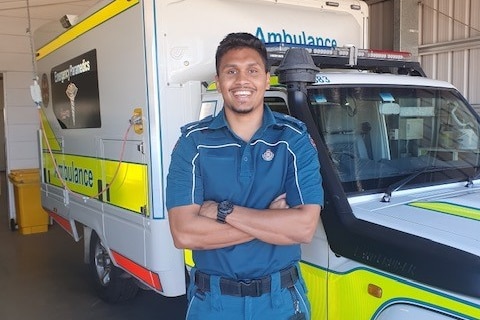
[111, 283]
[13, 225]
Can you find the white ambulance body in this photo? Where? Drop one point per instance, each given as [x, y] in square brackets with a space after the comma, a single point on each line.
[119, 84]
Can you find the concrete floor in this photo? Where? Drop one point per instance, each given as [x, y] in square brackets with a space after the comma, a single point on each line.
[42, 276]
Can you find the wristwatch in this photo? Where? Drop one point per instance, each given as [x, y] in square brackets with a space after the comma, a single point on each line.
[224, 208]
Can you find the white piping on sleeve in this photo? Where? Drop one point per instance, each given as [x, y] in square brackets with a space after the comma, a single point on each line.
[194, 130]
[218, 146]
[195, 159]
[193, 176]
[293, 128]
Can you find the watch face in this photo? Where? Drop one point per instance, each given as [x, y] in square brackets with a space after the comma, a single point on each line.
[225, 207]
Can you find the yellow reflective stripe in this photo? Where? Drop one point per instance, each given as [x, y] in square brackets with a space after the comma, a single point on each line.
[274, 81]
[212, 86]
[316, 281]
[348, 297]
[128, 190]
[449, 208]
[82, 174]
[52, 140]
[102, 15]
[189, 257]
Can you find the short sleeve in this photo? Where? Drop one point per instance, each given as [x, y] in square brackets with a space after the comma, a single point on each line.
[184, 183]
[304, 182]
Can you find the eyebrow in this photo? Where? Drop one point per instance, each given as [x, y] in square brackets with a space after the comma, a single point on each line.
[229, 65]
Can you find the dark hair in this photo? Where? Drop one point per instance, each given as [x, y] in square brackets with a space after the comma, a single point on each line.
[240, 40]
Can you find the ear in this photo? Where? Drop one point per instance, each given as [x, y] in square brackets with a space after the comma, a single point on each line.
[268, 80]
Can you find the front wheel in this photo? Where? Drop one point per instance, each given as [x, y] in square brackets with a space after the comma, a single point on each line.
[111, 283]
[13, 225]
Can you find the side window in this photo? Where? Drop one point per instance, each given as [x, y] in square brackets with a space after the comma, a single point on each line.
[208, 108]
[277, 104]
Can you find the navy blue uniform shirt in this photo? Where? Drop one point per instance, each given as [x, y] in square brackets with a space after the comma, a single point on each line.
[209, 162]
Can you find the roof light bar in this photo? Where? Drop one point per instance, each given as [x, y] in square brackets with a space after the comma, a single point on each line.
[350, 57]
[385, 54]
[352, 52]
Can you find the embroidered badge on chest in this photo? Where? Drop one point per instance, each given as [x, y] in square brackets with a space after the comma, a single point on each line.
[268, 155]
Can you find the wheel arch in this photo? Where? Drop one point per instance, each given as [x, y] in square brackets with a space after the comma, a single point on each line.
[410, 310]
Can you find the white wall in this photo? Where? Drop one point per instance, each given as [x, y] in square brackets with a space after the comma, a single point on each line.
[22, 122]
[20, 116]
[21, 125]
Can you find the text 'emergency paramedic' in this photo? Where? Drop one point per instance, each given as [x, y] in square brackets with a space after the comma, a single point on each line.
[71, 71]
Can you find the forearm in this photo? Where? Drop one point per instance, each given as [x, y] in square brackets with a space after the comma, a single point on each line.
[277, 226]
[192, 231]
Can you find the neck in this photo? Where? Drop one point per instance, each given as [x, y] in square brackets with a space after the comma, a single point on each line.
[245, 125]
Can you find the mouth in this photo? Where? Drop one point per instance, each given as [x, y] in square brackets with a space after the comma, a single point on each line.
[242, 95]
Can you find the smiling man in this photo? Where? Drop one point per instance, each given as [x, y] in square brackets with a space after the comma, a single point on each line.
[243, 192]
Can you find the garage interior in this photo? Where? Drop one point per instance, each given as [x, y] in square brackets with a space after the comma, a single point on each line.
[37, 284]
[43, 277]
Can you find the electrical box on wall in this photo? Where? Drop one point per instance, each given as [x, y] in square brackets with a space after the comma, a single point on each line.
[410, 129]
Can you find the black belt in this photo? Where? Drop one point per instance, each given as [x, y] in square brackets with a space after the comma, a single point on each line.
[247, 288]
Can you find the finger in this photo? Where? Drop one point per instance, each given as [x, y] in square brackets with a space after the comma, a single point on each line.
[282, 196]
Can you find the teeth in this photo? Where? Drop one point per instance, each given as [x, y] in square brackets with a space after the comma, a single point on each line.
[242, 93]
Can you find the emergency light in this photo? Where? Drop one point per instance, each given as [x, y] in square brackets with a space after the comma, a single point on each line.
[345, 51]
[350, 57]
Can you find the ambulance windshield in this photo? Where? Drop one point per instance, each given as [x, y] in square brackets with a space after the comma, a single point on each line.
[377, 136]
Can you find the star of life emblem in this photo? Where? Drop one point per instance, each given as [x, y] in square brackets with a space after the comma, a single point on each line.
[268, 155]
[71, 93]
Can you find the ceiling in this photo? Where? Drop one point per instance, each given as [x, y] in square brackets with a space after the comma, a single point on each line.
[14, 23]
[41, 11]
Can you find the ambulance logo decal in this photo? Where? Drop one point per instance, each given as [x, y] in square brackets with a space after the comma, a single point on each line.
[75, 92]
[268, 155]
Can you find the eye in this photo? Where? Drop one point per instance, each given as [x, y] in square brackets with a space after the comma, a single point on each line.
[254, 72]
[231, 71]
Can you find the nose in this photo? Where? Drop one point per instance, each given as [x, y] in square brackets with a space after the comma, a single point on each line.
[242, 77]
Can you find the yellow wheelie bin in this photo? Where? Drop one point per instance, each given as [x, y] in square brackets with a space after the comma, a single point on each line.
[31, 217]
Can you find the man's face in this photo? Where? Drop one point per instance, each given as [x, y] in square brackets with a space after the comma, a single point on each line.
[242, 80]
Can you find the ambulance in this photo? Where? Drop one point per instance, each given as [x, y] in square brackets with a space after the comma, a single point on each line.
[399, 152]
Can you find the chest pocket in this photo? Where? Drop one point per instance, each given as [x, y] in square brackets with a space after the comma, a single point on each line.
[251, 177]
[271, 170]
[219, 171]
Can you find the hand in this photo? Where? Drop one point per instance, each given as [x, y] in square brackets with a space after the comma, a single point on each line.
[209, 210]
[279, 202]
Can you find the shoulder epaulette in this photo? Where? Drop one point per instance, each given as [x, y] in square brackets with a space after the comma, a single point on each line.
[196, 124]
[287, 120]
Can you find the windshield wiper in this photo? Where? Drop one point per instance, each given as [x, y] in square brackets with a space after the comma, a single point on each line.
[473, 177]
[399, 184]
